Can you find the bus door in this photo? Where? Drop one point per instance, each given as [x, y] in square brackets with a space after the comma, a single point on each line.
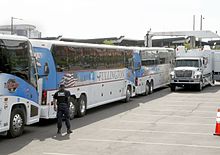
[46, 70]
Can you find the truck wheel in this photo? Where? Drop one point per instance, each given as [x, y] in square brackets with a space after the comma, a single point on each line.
[82, 104]
[151, 87]
[17, 122]
[128, 94]
[72, 109]
[173, 88]
[199, 86]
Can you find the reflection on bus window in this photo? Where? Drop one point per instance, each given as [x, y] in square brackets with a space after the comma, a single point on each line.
[14, 58]
[83, 58]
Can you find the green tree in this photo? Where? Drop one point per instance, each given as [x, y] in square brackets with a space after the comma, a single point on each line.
[108, 42]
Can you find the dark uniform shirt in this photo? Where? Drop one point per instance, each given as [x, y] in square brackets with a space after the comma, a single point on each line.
[62, 97]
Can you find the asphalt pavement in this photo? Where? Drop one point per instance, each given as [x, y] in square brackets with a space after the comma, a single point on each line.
[163, 123]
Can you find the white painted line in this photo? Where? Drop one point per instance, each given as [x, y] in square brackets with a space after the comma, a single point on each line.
[149, 143]
[176, 116]
[163, 132]
[142, 122]
[48, 153]
[201, 106]
[174, 110]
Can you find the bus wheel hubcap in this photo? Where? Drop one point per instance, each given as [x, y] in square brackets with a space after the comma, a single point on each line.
[17, 122]
[72, 108]
[82, 106]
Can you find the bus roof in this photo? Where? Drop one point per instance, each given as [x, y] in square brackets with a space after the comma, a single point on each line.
[48, 44]
[13, 37]
[151, 48]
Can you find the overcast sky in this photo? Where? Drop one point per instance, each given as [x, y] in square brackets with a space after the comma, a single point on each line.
[111, 18]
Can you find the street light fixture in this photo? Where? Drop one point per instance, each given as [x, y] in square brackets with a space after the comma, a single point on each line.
[12, 26]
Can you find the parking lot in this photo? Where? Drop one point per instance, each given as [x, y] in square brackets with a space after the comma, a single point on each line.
[181, 122]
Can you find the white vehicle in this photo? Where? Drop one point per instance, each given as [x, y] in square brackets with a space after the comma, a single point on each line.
[94, 74]
[195, 68]
[156, 64]
[19, 86]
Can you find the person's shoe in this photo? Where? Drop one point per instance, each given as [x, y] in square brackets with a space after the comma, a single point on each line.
[69, 131]
[58, 131]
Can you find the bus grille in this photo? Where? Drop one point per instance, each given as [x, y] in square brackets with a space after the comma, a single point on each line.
[183, 73]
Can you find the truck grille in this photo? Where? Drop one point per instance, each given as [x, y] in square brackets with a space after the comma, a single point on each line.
[183, 73]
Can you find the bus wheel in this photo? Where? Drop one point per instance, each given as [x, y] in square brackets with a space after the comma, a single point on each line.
[151, 87]
[128, 94]
[81, 110]
[72, 109]
[17, 122]
[147, 88]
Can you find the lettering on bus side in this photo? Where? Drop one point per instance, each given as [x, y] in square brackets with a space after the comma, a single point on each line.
[110, 75]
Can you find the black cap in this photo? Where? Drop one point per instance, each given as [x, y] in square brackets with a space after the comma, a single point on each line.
[62, 85]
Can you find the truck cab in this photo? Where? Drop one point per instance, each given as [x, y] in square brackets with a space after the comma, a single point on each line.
[193, 68]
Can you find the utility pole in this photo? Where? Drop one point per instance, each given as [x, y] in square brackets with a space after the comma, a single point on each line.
[194, 22]
[201, 18]
[201, 23]
[12, 24]
[192, 38]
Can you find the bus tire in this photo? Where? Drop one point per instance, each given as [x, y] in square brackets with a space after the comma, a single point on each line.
[82, 105]
[147, 88]
[17, 122]
[128, 94]
[151, 87]
[72, 108]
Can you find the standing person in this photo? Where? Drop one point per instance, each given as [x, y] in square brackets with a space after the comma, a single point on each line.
[61, 105]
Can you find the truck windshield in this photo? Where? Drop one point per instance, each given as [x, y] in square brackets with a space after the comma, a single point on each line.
[14, 58]
[187, 63]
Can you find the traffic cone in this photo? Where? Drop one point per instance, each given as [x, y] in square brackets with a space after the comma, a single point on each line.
[217, 127]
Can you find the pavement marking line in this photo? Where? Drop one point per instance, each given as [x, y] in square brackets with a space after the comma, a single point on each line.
[201, 106]
[150, 131]
[148, 143]
[48, 153]
[172, 116]
[142, 122]
[174, 110]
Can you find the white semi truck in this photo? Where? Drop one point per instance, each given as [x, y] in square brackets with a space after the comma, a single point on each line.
[195, 68]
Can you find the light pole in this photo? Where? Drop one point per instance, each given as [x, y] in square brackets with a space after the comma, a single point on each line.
[12, 26]
[194, 22]
[201, 28]
[201, 22]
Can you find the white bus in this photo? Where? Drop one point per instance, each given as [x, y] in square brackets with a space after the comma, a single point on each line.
[19, 85]
[156, 65]
[94, 74]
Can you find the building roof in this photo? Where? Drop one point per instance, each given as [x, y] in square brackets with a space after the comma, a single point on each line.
[197, 34]
[13, 37]
[17, 26]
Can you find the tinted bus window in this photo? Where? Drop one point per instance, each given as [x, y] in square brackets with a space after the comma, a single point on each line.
[83, 58]
[15, 58]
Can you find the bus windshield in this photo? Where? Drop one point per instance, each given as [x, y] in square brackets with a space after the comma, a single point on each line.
[187, 63]
[14, 58]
